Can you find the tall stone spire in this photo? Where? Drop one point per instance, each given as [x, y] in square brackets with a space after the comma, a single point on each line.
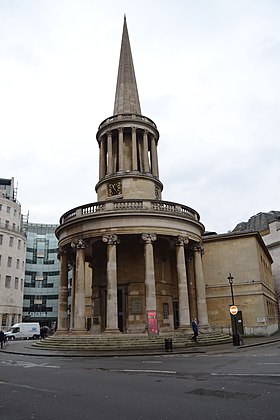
[126, 99]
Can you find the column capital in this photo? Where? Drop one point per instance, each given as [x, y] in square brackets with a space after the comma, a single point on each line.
[181, 241]
[109, 132]
[61, 252]
[111, 239]
[79, 244]
[153, 137]
[134, 128]
[120, 129]
[199, 248]
[148, 238]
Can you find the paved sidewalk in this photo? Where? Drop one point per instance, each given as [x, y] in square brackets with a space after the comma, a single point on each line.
[25, 347]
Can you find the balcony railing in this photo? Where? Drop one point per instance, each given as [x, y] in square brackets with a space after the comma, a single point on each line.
[11, 228]
[143, 206]
[128, 117]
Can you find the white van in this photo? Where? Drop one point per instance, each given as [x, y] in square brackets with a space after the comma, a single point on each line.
[24, 330]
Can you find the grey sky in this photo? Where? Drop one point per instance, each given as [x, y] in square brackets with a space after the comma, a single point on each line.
[208, 74]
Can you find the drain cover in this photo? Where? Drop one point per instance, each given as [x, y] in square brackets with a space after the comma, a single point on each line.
[223, 394]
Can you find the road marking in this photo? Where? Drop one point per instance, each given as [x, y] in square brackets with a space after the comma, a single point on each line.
[246, 374]
[26, 365]
[271, 363]
[152, 361]
[27, 387]
[170, 372]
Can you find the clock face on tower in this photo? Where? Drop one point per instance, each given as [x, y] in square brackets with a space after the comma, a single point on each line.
[114, 188]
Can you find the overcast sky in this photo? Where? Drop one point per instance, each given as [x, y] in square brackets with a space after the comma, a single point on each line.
[208, 74]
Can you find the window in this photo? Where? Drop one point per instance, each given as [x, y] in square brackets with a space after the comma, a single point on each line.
[19, 244]
[0, 259]
[7, 224]
[165, 311]
[15, 212]
[21, 284]
[4, 320]
[38, 300]
[17, 266]
[11, 241]
[8, 209]
[9, 263]
[0, 206]
[8, 282]
[16, 282]
[1, 239]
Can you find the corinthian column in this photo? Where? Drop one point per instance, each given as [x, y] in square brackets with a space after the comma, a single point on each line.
[150, 283]
[63, 292]
[134, 150]
[102, 159]
[112, 292]
[121, 154]
[109, 153]
[145, 152]
[184, 310]
[73, 289]
[154, 157]
[80, 303]
[202, 313]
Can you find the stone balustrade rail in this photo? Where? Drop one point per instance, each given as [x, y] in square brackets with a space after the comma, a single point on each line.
[114, 206]
[132, 117]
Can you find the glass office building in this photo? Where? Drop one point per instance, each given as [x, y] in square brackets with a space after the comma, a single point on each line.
[41, 283]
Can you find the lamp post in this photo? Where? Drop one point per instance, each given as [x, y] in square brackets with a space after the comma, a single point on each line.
[235, 334]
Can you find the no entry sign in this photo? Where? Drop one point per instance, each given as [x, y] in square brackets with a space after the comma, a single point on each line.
[233, 310]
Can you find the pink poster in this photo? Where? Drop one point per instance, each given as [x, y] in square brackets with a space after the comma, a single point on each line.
[152, 322]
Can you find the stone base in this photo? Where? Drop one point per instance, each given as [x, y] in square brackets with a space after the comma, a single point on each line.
[204, 328]
[183, 329]
[78, 332]
[61, 331]
[112, 331]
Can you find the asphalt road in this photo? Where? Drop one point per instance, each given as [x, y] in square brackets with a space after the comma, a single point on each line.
[241, 384]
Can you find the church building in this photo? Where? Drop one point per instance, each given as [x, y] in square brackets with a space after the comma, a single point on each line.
[143, 254]
[136, 259]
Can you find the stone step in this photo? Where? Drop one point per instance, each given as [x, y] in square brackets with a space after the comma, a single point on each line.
[127, 342]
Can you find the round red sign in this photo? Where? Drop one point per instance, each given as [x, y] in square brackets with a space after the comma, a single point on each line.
[233, 310]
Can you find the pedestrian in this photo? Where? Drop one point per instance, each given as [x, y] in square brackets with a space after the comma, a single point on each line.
[42, 333]
[2, 338]
[195, 330]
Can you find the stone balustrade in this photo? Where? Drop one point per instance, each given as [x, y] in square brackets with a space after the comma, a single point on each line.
[136, 205]
[132, 117]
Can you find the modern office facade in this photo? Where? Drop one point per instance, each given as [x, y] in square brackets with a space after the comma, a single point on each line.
[41, 275]
[12, 255]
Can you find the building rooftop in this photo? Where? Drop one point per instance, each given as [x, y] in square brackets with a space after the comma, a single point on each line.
[258, 222]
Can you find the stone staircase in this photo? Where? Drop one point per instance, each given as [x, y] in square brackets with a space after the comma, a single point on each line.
[128, 342]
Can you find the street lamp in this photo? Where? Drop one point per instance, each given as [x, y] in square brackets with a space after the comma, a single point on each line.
[235, 334]
[230, 280]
